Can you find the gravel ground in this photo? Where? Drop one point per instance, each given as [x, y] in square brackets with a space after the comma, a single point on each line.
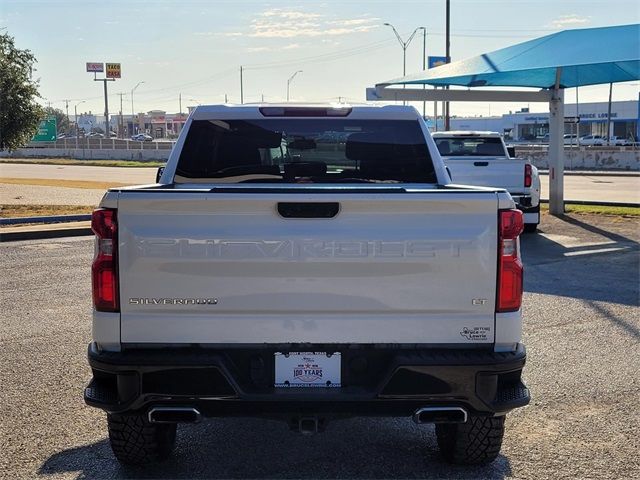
[582, 331]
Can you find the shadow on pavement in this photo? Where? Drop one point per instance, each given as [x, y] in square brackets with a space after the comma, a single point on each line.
[576, 259]
[357, 448]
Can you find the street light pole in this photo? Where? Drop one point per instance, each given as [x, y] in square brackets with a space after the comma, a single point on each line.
[447, 115]
[75, 112]
[424, 66]
[132, 110]
[290, 80]
[404, 46]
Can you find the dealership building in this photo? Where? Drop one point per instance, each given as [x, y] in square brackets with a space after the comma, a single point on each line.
[525, 125]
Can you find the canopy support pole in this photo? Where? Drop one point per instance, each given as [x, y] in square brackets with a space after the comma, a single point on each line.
[556, 149]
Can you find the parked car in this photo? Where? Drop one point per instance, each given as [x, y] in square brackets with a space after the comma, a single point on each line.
[270, 275]
[618, 141]
[570, 139]
[481, 158]
[592, 140]
[142, 137]
[96, 135]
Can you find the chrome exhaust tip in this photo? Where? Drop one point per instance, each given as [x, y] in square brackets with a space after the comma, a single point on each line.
[174, 415]
[440, 415]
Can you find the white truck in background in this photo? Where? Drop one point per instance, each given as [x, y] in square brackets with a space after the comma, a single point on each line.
[306, 263]
[482, 158]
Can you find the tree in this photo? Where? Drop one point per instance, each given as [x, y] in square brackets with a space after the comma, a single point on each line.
[62, 122]
[19, 112]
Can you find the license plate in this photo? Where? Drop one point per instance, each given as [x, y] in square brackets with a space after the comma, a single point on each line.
[307, 369]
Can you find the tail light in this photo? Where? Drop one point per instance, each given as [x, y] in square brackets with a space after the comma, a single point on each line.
[104, 270]
[510, 269]
[527, 175]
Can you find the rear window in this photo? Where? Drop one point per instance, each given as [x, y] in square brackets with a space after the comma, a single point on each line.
[470, 146]
[315, 150]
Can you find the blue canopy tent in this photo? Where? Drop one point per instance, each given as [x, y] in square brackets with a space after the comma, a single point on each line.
[571, 58]
[589, 56]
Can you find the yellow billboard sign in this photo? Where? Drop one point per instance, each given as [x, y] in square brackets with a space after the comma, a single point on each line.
[112, 70]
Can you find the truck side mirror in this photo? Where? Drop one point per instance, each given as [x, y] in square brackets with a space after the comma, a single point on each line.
[159, 174]
[512, 152]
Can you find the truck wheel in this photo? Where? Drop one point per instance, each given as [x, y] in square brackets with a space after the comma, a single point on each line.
[475, 442]
[135, 441]
[530, 227]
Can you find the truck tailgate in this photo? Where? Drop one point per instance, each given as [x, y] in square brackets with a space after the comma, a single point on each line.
[487, 172]
[219, 268]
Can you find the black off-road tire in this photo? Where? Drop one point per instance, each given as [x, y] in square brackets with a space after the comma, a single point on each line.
[475, 442]
[530, 227]
[135, 441]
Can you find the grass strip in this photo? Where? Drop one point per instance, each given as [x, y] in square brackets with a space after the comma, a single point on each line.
[89, 163]
[12, 211]
[51, 182]
[597, 209]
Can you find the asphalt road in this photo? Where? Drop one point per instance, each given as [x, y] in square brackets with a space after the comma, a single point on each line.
[582, 331]
[622, 188]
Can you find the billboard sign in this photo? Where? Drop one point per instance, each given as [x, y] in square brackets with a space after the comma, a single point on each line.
[433, 62]
[113, 70]
[47, 130]
[95, 67]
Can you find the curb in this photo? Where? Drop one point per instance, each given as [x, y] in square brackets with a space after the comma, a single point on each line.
[37, 232]
[588, 173]
[596, 203]
[46, 219]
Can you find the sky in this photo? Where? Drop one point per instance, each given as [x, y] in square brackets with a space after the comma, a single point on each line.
[195, 48]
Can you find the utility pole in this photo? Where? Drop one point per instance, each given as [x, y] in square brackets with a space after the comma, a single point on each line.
[241, 87]
[448, 55]
[66, 105]
[180, 101]
[226, 100]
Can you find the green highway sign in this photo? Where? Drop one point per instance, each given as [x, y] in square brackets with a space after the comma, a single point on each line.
[47, 130]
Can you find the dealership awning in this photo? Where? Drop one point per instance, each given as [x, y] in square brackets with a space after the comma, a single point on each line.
[588, 56]
[571, 58]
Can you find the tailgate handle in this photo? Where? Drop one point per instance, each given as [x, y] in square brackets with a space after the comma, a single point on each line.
[481, 164]
[308, 209]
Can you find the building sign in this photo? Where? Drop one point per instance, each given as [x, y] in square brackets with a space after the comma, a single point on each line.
[47, 130]
[113, 70]
[95, 67]
[433, 62]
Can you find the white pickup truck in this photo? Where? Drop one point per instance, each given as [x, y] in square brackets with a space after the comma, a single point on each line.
[481, 158]
[306, 263]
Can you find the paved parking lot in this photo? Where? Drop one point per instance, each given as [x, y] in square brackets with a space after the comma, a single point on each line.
[582, 330]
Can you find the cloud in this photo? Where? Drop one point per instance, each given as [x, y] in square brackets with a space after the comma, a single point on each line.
[570, 20]
[280, 23]
[258, 49]
[355, 21]
[289, 14]
[291, 46]
[218, 34]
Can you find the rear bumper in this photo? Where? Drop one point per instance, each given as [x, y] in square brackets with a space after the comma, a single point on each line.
[377, 381]
[531, 213]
